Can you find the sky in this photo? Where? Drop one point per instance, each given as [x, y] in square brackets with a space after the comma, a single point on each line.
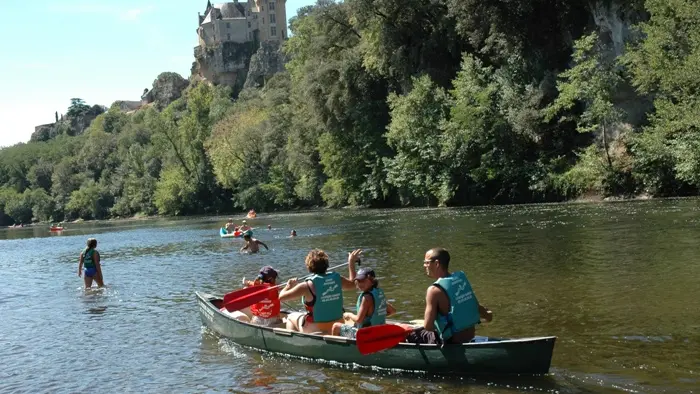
[97, 50]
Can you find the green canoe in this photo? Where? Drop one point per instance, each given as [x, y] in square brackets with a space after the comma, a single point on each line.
[531, 356]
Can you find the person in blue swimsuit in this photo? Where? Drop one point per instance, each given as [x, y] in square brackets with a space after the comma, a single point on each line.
[90, 260]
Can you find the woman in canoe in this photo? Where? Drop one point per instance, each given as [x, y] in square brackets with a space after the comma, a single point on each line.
[372, 307]
[90, 259]
[321, 294]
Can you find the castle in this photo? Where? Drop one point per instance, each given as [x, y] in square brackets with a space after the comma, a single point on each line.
[229, 33]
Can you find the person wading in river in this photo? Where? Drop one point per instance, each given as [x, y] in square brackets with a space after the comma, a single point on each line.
[90, 259]
[451, 308]
[252, 244]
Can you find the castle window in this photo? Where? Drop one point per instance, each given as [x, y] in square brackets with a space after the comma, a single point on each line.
[263, 20]
[249, 25]
[262, 8]
[229, 36]
[228, 25]
[273, 31]
[271, 5]
[272, 18]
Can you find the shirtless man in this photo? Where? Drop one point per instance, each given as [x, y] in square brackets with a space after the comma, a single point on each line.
[252, 244]
[451, 308]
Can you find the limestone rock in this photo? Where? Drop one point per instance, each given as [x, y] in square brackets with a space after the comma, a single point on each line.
[265, 62]
[167, 88]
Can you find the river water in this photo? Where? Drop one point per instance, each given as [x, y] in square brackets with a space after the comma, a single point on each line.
[618, 283]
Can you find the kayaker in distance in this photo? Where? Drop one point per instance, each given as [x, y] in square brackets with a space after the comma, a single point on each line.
[452, 310]
[321, 294]
[90, 259]
[265, 313]
[251, 244]
[372, 306]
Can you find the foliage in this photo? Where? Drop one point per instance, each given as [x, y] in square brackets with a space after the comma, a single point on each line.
[388, 102]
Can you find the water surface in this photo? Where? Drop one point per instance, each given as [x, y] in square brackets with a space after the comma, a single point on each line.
[617, 283]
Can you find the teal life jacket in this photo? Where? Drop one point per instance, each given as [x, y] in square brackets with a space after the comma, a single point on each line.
[88, 261]
[464, 307]
[378, 315]
[328, 300]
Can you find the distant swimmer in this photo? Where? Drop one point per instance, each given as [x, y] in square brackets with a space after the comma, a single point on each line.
[90, 259]
[293, 234]
[252, 244]
[269, 227]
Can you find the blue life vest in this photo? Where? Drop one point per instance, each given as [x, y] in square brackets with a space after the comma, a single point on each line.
[328, 300]
[464, 307]
[88, 261]
[378, 316]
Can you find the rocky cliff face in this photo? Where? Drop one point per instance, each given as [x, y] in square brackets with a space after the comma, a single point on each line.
[265, 62]
[167, 87]
[74, 125]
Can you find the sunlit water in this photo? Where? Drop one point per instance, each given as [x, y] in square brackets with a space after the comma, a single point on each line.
[617, 283]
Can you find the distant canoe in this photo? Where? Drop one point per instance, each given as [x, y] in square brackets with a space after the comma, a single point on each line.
[224, 234]
[529, 356]
[56, 228]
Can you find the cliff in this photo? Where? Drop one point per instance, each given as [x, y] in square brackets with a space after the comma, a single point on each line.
[70, 124]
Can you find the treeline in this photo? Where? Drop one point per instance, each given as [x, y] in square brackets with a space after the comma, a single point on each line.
[392, 103]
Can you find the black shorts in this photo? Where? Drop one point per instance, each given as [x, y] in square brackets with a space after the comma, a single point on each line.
[423, 336]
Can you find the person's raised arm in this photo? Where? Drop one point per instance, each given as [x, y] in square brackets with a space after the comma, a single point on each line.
[293, 290]
[353, 257]
[431, 308]
[263, 244]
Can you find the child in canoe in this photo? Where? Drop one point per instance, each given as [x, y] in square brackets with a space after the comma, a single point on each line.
[266, 312]
[372, 307]
[90, 259]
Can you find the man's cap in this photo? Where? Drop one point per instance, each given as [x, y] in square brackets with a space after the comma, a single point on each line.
[267, 273]
[364, 273]
[244, 221]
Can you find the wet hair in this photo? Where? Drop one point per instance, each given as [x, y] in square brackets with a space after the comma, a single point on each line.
[442, 256]
[91, 243]
[317, 261]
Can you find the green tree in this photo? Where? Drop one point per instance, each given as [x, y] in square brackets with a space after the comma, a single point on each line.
[415, 133]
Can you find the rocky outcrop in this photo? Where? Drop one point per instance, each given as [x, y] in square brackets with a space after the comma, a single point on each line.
[224, 64]
[70, 125]
[166, 88]
[268, 60]
[126, 105]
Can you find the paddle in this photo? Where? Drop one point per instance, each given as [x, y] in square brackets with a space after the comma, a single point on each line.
[248, 296]
[374, 339]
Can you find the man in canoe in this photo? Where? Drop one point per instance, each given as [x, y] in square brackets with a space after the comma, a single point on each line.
[451, 308]
[372, 306]
[321, 294]
[252, 244]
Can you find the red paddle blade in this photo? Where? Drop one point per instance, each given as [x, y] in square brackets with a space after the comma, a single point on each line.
[377, 338]
[247, 300]
[242, 293]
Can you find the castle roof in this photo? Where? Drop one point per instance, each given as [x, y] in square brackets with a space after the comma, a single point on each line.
[226, 11]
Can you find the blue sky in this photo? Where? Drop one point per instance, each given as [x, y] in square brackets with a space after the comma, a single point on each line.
[98, 50]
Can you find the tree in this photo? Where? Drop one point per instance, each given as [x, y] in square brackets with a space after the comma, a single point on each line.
[415, 133]
[77, 108]
[592, 81]
[664, 63]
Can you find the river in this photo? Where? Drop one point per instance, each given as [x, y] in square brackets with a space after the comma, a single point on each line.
[618, 283]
